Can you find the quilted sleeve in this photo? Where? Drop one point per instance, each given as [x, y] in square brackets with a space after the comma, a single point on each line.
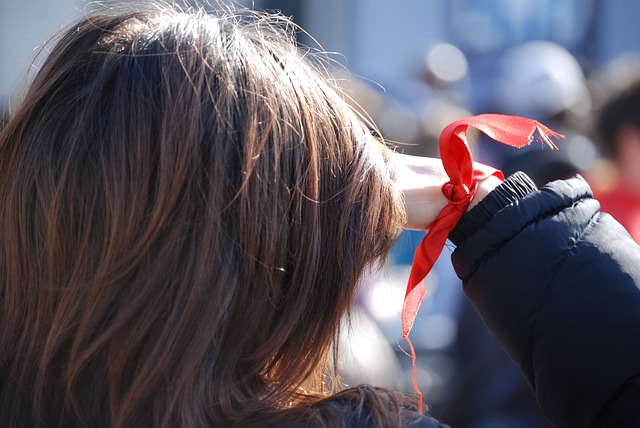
[556, 282]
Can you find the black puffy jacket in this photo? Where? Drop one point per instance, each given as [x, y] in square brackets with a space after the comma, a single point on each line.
[557, 282]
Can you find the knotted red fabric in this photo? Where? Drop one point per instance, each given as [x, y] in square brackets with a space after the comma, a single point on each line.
[464, 176]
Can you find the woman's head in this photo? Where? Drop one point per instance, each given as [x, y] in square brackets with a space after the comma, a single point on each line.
[186, 206]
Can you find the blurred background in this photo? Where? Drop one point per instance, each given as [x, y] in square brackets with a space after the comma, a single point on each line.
[415, 66]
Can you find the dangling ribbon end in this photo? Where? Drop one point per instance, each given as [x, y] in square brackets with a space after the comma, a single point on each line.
[546, 134]
[416, 388]
[410, 307]
[409, 311]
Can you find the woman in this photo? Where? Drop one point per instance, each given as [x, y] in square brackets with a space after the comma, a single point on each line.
[187, 205]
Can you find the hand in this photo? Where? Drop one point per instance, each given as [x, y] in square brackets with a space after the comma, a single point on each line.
[420, 180]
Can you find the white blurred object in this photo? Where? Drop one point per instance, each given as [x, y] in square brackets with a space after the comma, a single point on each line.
[541, 79]
[447, 63]
[365, 355]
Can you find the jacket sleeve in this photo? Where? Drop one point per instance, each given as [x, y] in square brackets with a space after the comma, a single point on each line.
[557, 282]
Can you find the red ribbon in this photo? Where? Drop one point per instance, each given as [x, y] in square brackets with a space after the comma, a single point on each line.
[464, 176]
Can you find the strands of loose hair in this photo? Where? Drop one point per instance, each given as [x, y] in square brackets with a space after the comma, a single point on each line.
[187, 205]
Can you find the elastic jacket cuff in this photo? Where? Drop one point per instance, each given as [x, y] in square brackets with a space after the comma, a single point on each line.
[514, 188]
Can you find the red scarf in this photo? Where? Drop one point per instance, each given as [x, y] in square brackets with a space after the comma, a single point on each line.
[464, 176]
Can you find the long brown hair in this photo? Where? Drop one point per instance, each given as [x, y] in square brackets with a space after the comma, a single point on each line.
[186, 206]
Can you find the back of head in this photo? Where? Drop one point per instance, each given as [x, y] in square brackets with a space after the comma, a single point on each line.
[622, 109]
[186, 207]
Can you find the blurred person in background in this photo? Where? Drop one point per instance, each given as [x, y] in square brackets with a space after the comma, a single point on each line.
[618, 127]
[543, 80]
